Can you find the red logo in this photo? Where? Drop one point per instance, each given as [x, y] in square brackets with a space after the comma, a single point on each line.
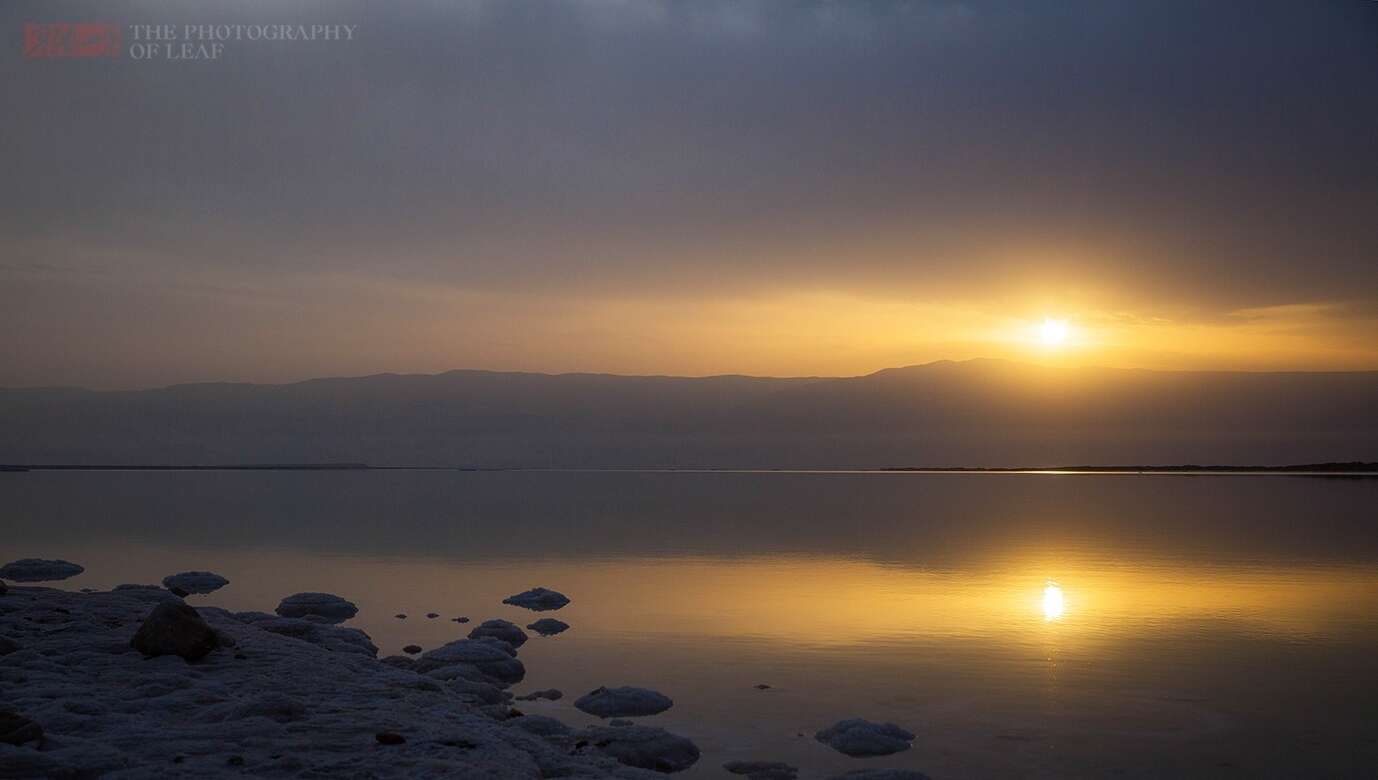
[71, 40]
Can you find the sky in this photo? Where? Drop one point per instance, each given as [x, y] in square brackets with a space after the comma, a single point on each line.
[705, 187]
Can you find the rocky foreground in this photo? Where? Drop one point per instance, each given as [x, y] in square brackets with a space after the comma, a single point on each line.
[271, 695]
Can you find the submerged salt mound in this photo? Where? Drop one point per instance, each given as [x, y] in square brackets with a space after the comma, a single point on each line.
[624, 702]
[538, 599]
[324, 605]
[279, 706]
[492, 659]
[645, 747]
[548, 626]
[194, 582]
[39, 570]
[500, 629]
[881, 774]
[858, 737]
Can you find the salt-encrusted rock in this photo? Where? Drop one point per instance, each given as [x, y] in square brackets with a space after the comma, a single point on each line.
[549, 694]
[173, 628]
[538, 599]
[620, 722]
[194, 582]
[8, 645]
[548, 626]
[412, 649]
[644, 747]
[763, 770]
[39, 570]
[15, 729]
[540, 725]
[499, 629]
[317, 631]
[400, 661]
[491, 658]
[881, 774]
[859, 737]
[624, 702]
[324, 605]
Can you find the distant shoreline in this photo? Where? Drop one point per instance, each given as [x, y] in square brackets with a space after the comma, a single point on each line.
[1348, 468]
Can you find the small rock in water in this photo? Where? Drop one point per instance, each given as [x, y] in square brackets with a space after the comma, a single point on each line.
[500, 629]
[327, 606]
[401, 616]
[625, 702]
[39, 570]
[763, 770]
[549, 694]
[538, 599]
[881, 774]
[412, 649]
[762, 687]
[389, 738]
[460, 619]
[432, 615]
[15, 729]
[644, 747]
[548, 626]
[173, 628]
[858, 737]
[194, 582]
[491, 658]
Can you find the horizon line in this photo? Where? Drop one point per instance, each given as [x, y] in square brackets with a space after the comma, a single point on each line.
[729, 375]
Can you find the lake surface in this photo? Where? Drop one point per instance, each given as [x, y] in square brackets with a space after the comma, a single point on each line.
[1022, 625]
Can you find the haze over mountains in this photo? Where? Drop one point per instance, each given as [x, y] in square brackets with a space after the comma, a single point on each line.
[973, 413]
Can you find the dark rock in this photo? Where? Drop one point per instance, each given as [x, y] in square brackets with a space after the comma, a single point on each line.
[624, 702]
[15, 729]
[549, 694]
[644, 747]
[460, 619]
[858, 737]
[4, 588]
[7, 645]
[538, 599]
[412, 649]
[500, 629]
[548, 626]
[327, 606]
[389, 738]
[194, 582]
[762, 687]
[432, 615]
[173, 628]
[401, 616]
[39, 570]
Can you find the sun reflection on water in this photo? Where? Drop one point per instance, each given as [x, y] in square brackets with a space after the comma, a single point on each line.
[1052, 601]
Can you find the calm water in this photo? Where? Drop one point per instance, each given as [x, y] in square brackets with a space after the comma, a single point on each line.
[1022, 625]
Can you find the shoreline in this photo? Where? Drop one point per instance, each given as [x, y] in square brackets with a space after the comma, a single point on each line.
[303, 698]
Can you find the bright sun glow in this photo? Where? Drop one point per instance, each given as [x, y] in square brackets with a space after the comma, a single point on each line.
[1052, 601]
[1053, 332]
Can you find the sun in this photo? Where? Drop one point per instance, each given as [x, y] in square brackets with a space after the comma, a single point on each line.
[1053, 332]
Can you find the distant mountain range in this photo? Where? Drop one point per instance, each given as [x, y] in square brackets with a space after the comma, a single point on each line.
[972, 413]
